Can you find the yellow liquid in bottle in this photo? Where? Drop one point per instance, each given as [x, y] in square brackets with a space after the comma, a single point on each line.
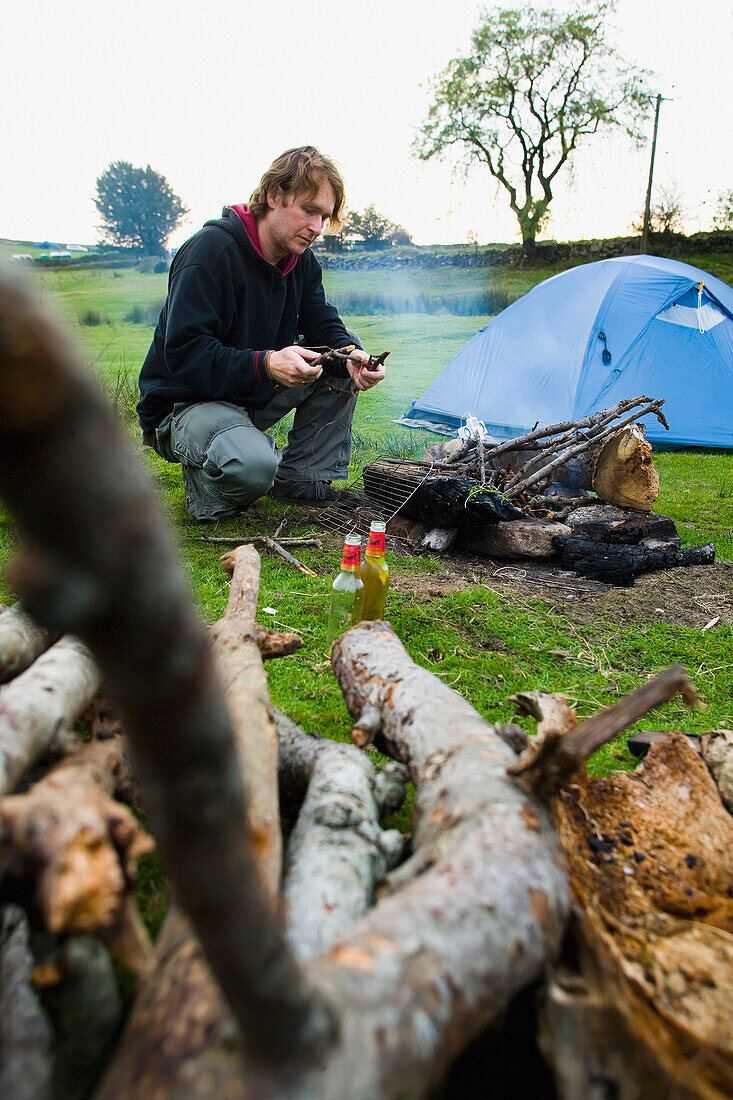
[375, 575]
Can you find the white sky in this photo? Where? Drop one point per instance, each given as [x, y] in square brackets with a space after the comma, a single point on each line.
[209, 93]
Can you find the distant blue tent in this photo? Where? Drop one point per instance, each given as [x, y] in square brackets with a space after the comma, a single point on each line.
[589, 337]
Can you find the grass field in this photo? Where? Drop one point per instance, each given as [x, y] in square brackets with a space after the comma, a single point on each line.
[486, 642]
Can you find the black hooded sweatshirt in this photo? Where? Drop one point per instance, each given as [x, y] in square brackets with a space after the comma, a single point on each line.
[226, 305]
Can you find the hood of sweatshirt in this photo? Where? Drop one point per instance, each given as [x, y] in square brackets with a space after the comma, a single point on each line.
[239, 221]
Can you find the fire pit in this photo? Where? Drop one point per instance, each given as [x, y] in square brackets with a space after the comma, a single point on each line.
[580, 492]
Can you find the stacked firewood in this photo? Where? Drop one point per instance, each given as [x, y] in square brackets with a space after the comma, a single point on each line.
[350, 967]
[573, 455]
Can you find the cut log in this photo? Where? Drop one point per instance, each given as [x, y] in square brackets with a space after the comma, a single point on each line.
[624, 472]
[26, 1036]
[621, 564]
[521, 538]
[46, 698]
[717, 752]
[468, 919]
[76, 850]
[650, 855]
[606, 523]
[21, 641]
[337, 854]
[239, 666]
[98, 562]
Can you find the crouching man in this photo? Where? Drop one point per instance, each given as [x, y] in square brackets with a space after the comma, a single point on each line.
[233, 350]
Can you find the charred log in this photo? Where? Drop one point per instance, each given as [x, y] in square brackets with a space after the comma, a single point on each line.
[621, 564]
[440, 500]
[605, 523]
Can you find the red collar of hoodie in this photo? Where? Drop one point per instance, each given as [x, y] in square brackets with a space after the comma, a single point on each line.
[249, 222]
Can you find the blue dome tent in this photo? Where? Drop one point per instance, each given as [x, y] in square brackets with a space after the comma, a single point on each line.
[592, 336]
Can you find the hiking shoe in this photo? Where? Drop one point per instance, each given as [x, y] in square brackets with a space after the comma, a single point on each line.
[316, 491]
[310, 492]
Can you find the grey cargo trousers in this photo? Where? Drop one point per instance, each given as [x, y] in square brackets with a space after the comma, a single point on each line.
[228, 461]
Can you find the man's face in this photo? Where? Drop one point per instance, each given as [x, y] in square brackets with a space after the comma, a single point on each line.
[293, 222]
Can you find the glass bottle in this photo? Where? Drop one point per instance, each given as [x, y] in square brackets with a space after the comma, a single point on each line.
[347, 592]
[375, 573]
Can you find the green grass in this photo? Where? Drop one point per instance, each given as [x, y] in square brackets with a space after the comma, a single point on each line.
[696, 491]
[486, 644]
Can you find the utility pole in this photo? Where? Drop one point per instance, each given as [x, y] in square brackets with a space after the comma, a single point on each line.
[647, 208]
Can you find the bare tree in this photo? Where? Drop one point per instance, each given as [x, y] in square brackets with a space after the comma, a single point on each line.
[723, 217]
[534, 86]
[666, 214]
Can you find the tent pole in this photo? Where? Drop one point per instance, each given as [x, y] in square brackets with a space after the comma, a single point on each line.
[647, 208]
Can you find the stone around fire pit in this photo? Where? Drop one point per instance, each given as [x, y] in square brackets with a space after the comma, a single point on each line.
[519, 538]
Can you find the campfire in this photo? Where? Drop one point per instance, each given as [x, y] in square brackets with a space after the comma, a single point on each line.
[580, 492]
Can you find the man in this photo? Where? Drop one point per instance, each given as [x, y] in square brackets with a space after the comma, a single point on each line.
[233, 351]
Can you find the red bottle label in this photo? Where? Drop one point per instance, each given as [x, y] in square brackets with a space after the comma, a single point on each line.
[376, 546]
[350, 559]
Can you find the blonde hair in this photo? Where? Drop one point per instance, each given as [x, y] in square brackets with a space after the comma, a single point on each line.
[297, 172]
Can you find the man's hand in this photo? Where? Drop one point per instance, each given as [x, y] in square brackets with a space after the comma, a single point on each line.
[291, 367]
[362, 377]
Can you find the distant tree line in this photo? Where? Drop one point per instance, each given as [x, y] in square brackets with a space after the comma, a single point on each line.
[372, 228]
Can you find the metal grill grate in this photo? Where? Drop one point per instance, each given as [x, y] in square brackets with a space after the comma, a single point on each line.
[363, 506]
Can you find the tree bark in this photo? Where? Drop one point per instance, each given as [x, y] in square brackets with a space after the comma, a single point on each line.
[469, 919]
[98, 562]
[717, 752]
[624, 473]
[650, 855]
[239, 667]
[45, 699]
[337, 854]
[26, 1036]
[77, 849]
[21, 641]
